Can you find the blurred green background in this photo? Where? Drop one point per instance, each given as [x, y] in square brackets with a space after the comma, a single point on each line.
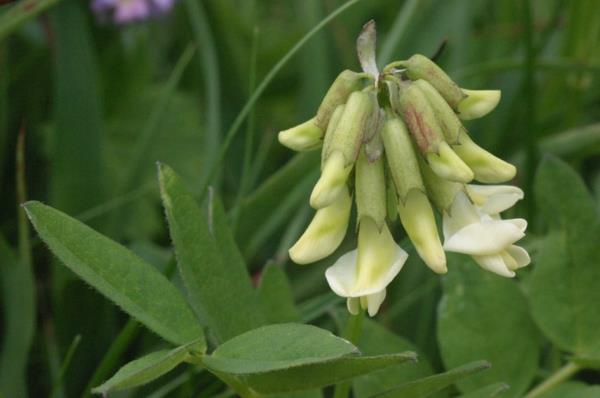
[97, 105]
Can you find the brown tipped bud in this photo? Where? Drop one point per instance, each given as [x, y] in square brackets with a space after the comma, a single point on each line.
[420, 67]
[446, 117]
[345, 84]
[420, 119]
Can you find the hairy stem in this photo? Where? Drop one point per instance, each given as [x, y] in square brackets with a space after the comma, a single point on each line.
[554, 380]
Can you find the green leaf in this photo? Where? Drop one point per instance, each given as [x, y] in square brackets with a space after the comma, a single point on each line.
[377, 340]
[77, 178]
[18, 308]
[134, 285]
[276, 297]
[564, 281]
[293, 357]
[490, 391]
[149, 367]
[573, 389]
[216, 280]
[425, 387]
[482, 315]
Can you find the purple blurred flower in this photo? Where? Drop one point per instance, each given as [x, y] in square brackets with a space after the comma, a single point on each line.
[127, 11]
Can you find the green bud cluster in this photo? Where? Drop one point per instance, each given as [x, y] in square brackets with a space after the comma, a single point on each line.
[395, 142]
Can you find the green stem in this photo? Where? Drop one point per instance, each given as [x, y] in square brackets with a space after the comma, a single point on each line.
[557, 378]
[352, 333]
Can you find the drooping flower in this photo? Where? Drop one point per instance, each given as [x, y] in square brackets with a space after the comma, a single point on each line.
[479, 231]
[325, 232]
[128, 11]
[363, 274]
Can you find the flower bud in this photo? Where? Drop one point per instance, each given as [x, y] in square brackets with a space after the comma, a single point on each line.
[304, 137]
[486, 167]
[346, 83]
[478, 103]
[332, 181]
[441, 192]
[420, 119]
[420, 67]
[391, 197]
[348, 134]
[400, 155]
[370, 190]
[325, 232]
[333, 122]
[418, 221]
[447, 119]
[448, 165]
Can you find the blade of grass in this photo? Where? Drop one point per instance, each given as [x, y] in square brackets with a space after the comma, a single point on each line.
[249, 138]
[21, 12]
[398, 30]
[135, 166]
[229, 136]
[65, 366]
[18, 293]
[4, 107]
[204, 40]
[77, 178]
[23, 223]
[18, 305]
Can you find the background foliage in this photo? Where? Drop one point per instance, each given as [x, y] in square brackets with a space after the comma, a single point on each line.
[86, 109]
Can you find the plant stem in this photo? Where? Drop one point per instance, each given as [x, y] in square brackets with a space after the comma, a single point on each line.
[352, 333]
[554, 380]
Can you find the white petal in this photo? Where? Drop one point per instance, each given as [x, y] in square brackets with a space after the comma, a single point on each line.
[370, 271]
[461, 213]
[494, 199]
[495, 264]
[483, 238]
[519, 254]
[374, 301]
[341, 276]
[520, 223]
[324, 233]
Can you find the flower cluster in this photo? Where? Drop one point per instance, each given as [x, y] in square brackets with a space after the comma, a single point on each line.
[127, 11]
[395, 142]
